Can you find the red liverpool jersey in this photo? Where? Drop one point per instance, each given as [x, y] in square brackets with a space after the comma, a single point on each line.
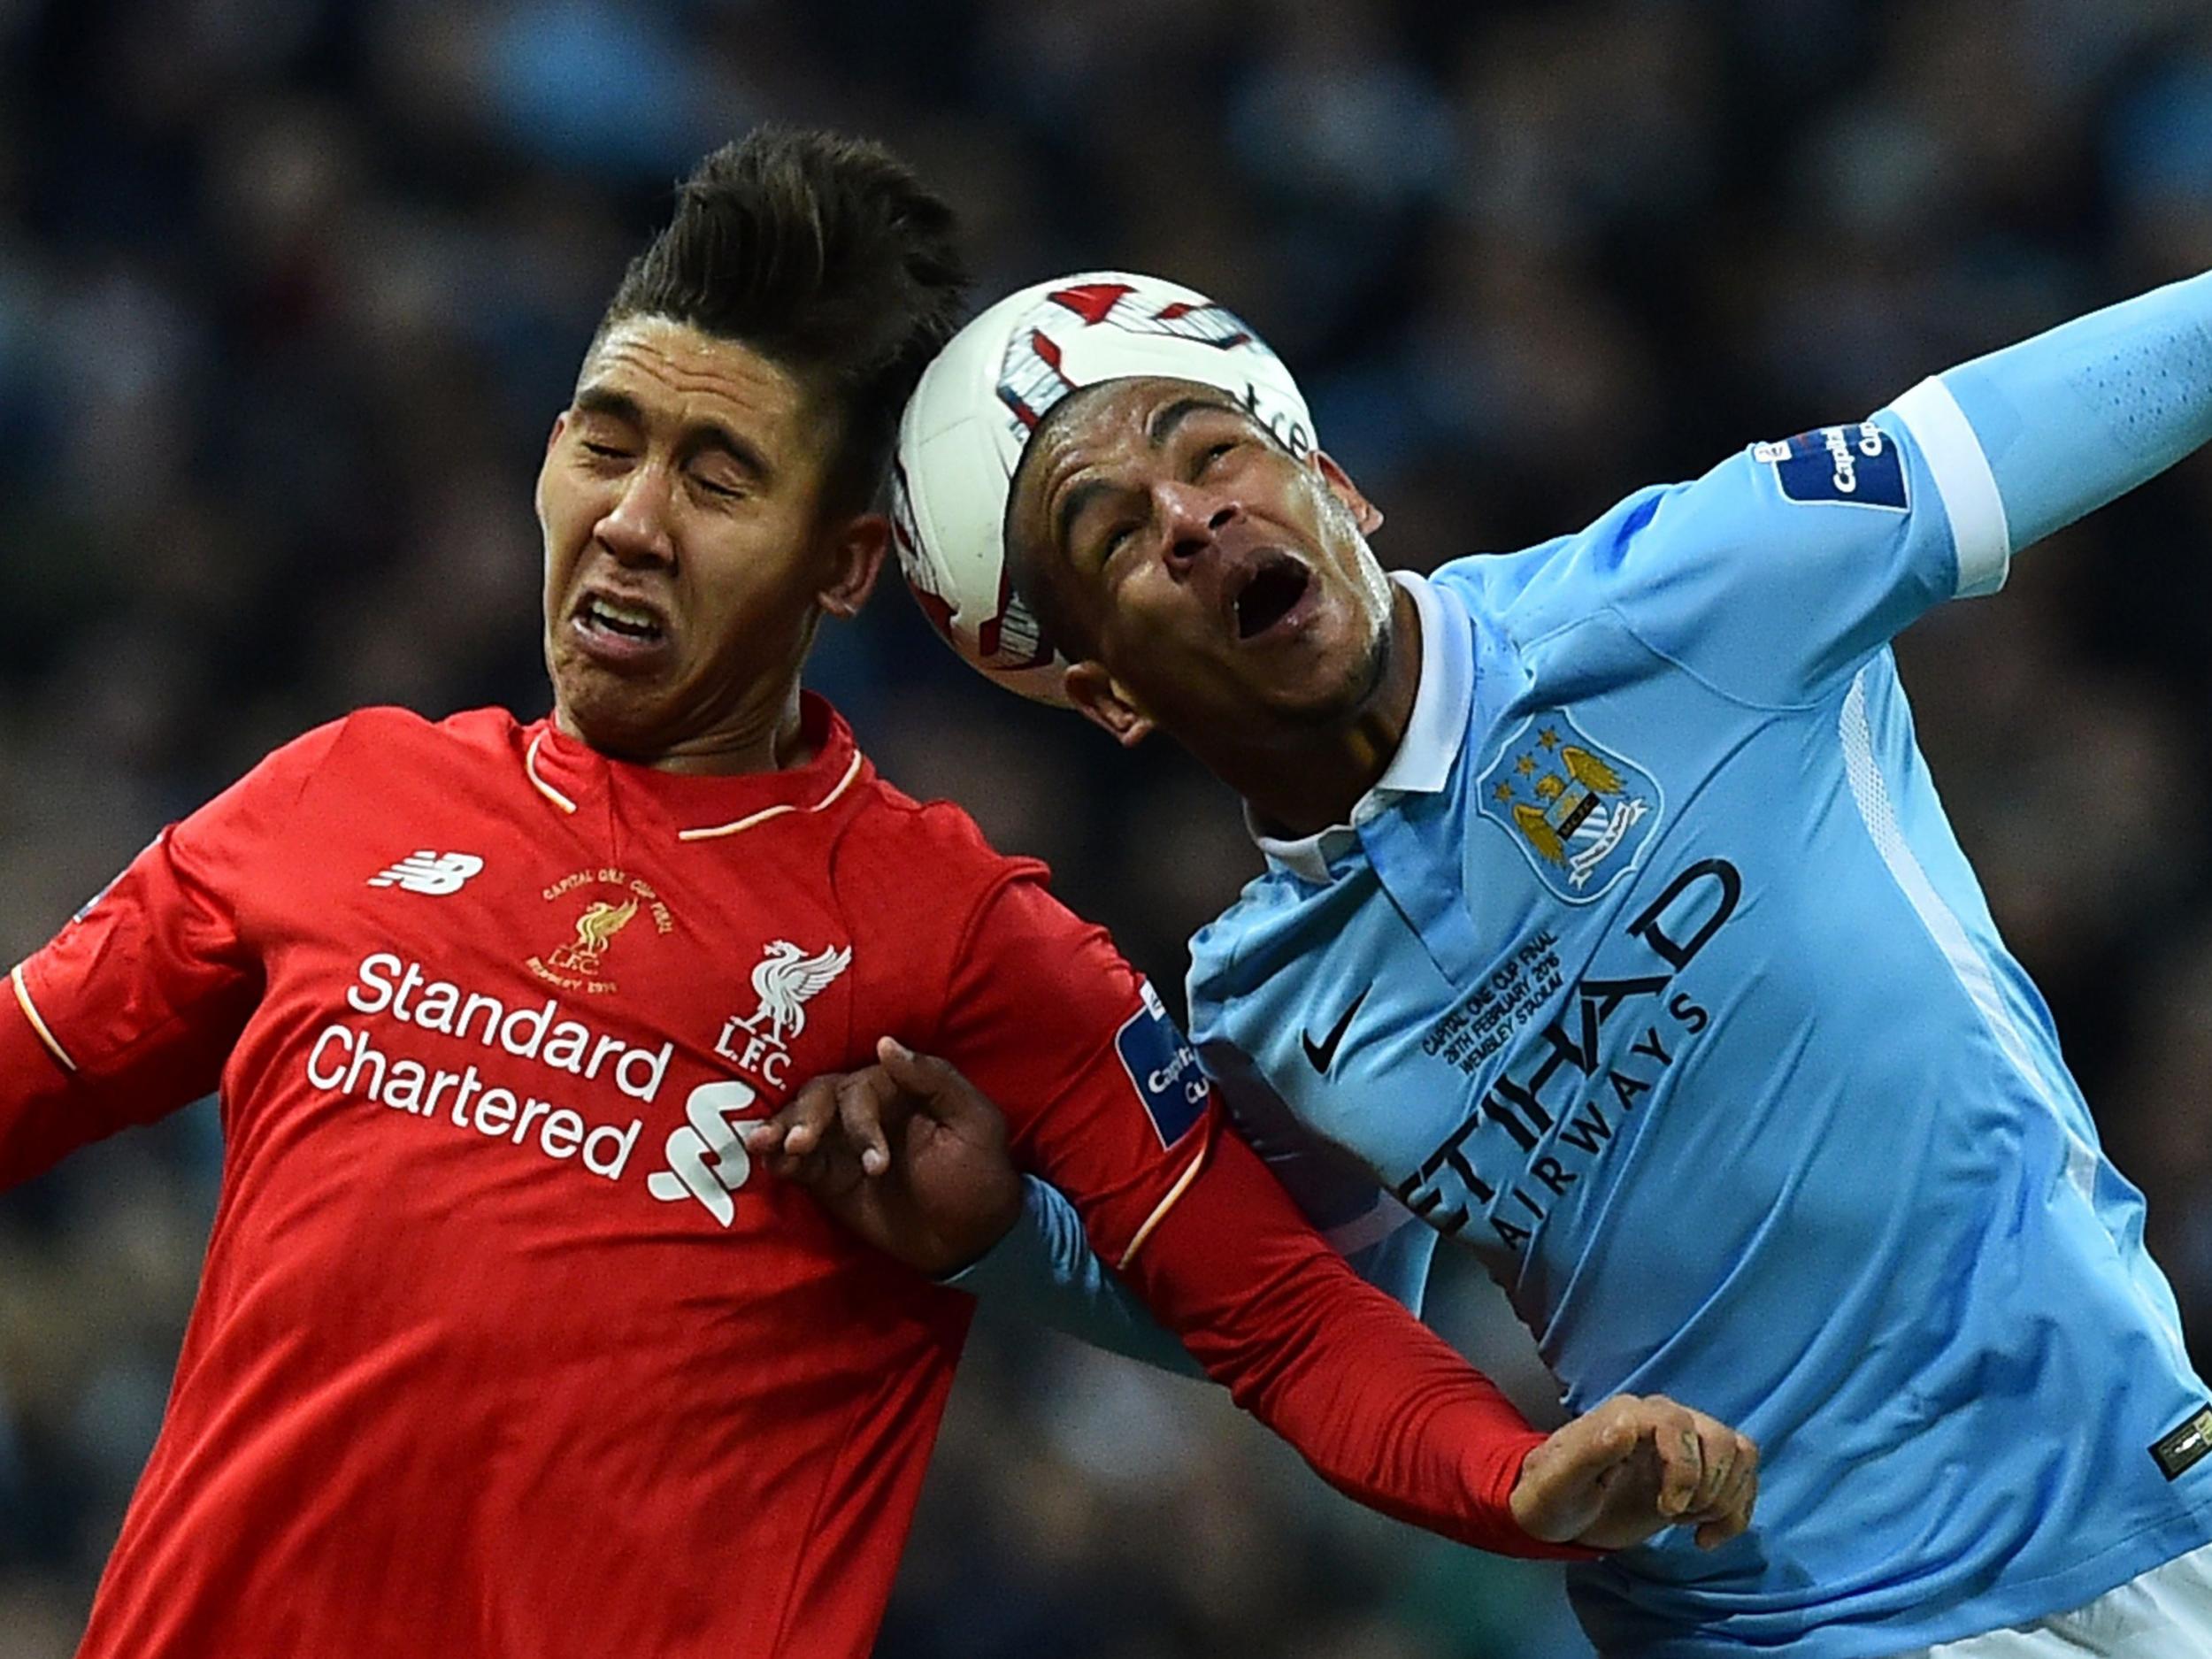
[502, 1347]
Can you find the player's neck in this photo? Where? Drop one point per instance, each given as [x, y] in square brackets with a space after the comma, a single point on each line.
[763, 733]
[1314, 780]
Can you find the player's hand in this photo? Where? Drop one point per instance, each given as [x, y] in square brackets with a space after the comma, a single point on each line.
[907, 1153]
[1634, 1467]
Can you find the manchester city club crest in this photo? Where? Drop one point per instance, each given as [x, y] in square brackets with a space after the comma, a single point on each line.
[1579, 811]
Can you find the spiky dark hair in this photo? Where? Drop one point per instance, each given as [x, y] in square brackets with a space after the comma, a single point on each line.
[827, 256]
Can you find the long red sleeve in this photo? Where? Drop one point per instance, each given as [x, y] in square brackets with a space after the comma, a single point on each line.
[1381, 1408]
[1106, 1101]
[130, 1011]
[33, 1091]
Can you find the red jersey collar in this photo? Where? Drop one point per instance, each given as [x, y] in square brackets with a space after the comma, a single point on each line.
[568, 773]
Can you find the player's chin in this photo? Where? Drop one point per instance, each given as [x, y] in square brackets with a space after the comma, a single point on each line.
[614, 713]
[1326, 681]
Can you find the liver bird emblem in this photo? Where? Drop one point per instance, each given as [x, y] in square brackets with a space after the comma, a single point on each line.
[785, 981]
[595, 929]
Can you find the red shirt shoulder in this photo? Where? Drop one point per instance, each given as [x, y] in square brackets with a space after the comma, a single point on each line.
[893, 838]
[1102, 1093]
[913, 876]
[372, 737]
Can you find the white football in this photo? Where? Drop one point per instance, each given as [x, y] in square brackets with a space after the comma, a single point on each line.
[971, 416]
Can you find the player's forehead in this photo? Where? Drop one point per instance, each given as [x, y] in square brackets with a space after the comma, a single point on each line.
[656, 371]
[1117, 427]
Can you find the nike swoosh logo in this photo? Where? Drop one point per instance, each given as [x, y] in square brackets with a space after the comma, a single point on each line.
[1320, 1053]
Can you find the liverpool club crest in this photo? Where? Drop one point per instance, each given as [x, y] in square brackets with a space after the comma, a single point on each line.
[785, 979]
[1578, 811]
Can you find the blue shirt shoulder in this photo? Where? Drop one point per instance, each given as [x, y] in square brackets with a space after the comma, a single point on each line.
[1773, 577]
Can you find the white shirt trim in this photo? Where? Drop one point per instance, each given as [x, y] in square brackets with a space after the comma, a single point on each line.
[1963, 478]
[1869, 792]
[765, 813]
[38, 1024]
[1434, 733]
[1160, 1209]
[530, 766]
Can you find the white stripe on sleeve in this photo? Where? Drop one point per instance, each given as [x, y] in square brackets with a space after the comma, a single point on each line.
[1962, 478]
[38, 1024]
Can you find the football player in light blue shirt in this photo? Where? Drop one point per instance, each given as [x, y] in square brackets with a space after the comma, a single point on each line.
[1612, 929]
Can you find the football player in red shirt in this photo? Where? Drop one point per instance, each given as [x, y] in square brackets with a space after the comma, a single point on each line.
[503, 1346]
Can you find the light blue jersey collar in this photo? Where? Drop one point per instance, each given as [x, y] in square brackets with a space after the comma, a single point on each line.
[1432, 739]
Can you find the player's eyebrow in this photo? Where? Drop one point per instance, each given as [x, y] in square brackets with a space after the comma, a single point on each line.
[1165, 420]
[1071, 506]
[700, 434]
[1157, 431]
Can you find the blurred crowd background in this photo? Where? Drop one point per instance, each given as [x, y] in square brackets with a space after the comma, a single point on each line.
[290, 289]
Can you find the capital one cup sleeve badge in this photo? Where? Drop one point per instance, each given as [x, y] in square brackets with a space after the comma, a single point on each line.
[1578, 811]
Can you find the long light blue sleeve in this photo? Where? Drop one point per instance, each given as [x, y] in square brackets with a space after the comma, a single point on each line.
[1044, 1271]
[2083, 413]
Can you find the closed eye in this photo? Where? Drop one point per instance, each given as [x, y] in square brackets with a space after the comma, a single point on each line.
[1214, 452]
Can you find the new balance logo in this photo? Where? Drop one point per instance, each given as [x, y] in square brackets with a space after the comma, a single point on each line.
[426, 871]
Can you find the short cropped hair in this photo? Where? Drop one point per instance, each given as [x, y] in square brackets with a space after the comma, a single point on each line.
[827, 256]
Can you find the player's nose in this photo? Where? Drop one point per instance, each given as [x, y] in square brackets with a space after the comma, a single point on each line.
[635, 529]
[1193, 518]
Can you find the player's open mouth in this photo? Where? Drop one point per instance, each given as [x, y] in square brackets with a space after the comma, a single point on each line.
[1269, 594]
[617, 631]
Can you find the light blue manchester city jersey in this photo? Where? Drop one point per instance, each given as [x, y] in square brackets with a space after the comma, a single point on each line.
[1652, 973]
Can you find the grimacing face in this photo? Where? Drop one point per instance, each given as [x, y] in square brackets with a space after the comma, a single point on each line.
[1206, 575]
[687, 558]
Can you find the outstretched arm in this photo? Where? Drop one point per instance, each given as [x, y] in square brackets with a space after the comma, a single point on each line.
[1782, 570]
[55, 1097]
[2027, 439]
[1037, 1261]
[1374, 1402]
[1387, 1413]
[126, 1016]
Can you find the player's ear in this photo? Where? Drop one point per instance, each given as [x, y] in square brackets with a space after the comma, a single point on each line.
[545, 467]
[856, 549]
[1106, 703]
[1364, 513]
